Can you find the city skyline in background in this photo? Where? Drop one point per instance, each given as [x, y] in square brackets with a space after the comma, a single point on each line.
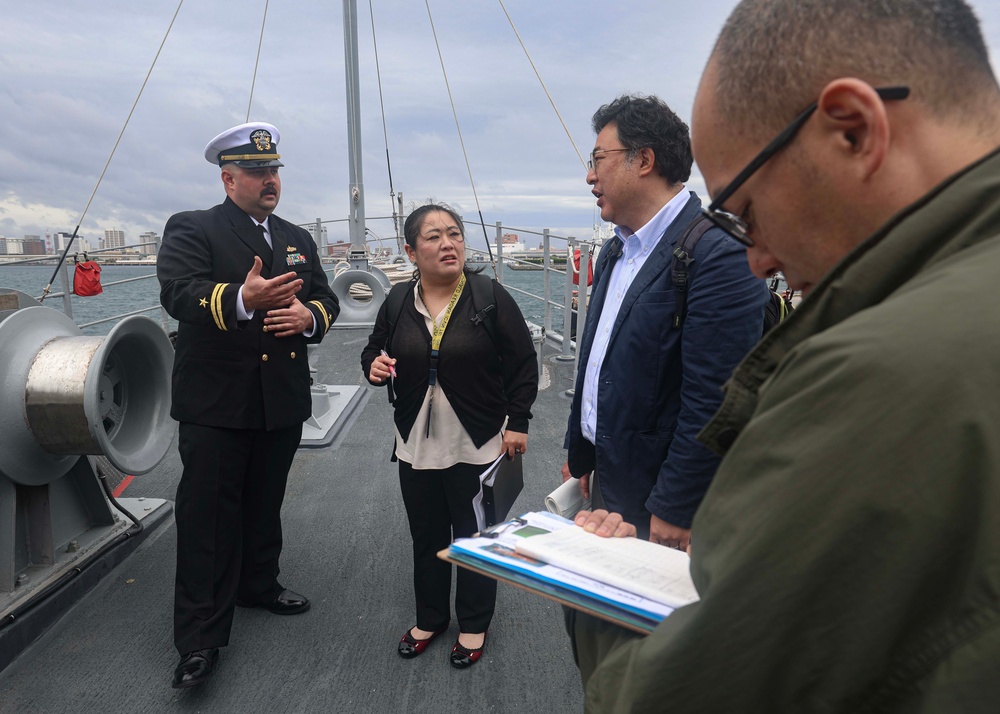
[116, 245]
[72, 70]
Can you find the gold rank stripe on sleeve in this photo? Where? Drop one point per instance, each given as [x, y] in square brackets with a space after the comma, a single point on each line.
[322, 311]
[220, 321]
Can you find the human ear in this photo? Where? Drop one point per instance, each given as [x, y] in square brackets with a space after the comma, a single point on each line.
[853, 117]
[647, 161]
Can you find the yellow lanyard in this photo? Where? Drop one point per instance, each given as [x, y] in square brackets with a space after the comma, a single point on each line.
[436, 341]
[438, 333]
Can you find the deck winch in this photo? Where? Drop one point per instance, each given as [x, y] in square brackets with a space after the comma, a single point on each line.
[67, 399]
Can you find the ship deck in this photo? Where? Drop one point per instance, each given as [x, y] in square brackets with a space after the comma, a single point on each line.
[347, 547]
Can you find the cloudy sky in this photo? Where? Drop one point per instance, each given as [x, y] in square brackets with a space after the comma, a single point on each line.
[70, 70]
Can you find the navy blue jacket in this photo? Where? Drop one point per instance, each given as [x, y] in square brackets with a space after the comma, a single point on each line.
[230, 373]
[659, 385]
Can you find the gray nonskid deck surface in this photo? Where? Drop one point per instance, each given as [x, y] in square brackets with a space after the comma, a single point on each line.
[347, 547]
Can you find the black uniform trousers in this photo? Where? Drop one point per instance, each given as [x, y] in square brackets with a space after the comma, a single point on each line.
[228, 526]
[439, 506]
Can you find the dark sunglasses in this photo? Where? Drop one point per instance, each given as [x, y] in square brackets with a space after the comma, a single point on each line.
[734, 225]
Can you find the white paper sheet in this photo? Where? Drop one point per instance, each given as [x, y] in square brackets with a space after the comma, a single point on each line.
[486, 477]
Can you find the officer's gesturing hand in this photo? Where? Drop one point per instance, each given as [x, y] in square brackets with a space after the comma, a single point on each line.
[259, 293]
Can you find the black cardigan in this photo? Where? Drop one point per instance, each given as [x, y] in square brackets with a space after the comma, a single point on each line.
[483, 382]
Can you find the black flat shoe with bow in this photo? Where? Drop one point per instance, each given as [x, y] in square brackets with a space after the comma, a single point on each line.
[463, 657]
[410, 647]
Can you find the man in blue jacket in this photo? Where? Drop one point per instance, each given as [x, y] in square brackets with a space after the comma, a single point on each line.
[646, 387]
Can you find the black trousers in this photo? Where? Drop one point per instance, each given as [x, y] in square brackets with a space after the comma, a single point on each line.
[439, 507]
[228, 515]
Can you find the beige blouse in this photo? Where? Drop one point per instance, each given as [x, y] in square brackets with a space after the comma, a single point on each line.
[449, 443]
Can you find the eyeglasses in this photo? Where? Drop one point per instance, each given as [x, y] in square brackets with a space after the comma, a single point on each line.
[735, 225]
[593, 156]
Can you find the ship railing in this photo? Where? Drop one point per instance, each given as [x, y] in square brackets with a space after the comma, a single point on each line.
[65, 279]
[558, 295]
[556, 263]
[315, 228]
[572, 308]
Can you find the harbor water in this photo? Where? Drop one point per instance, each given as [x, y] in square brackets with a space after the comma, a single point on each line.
[143, 292]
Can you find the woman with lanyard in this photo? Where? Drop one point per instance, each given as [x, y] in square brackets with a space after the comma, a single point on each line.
[461, 396]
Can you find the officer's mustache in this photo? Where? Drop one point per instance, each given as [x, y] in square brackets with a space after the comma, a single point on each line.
[269, 191]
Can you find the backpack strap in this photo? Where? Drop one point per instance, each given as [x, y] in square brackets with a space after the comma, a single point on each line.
[481, 287]
[683, 258]
[482, 295]
[611, 250]
[484, 301]
[394, 303]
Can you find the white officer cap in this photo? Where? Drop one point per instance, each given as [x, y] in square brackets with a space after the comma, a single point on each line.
[250, 146]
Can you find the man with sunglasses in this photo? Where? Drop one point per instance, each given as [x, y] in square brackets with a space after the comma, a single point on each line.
[648, 380]
[847, 554]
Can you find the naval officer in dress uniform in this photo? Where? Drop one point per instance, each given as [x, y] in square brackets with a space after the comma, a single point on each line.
[249, 293]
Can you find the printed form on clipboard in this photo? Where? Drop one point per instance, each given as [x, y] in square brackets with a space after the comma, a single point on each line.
[653, 571]
[498, 552]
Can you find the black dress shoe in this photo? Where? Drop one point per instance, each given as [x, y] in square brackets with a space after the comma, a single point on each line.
[195, 668]
[287, 603]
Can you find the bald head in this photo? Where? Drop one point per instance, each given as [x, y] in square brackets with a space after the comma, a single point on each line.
[774, 57]
[859, 157]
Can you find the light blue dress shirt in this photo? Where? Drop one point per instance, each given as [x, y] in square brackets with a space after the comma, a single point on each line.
[637, 248]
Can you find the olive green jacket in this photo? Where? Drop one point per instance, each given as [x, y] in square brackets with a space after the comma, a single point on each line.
[848, 551]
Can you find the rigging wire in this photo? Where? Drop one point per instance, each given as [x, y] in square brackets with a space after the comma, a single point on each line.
[260, 42]
[100, 178]
[540, 81]
[461, 141]
[385, 133]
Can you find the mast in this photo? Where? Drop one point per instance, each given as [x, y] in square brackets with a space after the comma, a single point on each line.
[356, 223]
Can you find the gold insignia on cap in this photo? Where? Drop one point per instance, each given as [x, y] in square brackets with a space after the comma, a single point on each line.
[261, 139]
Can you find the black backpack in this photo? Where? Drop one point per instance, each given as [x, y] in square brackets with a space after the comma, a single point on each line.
[481, 287]
[777, 309]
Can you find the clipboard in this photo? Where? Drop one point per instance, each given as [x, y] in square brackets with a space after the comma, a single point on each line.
[576, 601]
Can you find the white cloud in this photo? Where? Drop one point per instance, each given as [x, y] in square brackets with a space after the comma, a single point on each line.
[69, 72]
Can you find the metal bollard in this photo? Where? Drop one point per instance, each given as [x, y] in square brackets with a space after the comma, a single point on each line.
[565, 355]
